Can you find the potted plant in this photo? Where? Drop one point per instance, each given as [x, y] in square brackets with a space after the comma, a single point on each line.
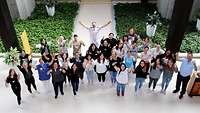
[151, 23]
[50, 6]
[11, 57]
[198, 21]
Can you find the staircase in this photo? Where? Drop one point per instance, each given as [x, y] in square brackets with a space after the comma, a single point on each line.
[100, 11]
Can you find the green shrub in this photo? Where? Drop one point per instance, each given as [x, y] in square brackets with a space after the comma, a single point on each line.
[40, 25]
[134, 15]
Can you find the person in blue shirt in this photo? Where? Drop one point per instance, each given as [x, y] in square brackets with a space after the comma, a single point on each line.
[44, 77]
[129, 61]
[183, 77]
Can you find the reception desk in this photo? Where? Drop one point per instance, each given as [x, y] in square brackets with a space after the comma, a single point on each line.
[193, 88]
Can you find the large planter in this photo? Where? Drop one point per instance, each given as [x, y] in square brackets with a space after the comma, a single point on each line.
[50, 10]
[150, 30]
[198, 24]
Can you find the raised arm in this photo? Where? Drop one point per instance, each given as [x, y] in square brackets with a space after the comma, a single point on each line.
[83, 25]
[106, 24]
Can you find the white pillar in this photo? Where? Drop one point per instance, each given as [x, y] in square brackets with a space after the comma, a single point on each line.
[21, 8]
[165, 8]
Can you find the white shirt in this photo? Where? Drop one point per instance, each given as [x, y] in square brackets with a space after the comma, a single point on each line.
[93, 34]
[155, 53]
[122, 77]
[101, 67]
[146, 57]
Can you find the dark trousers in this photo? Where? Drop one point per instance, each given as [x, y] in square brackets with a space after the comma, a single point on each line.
[182, 80]
[101, 76]
[75, 85]
[81, 75]
[17, 91]
[154, 81]
[57, 85]
[30, 82]
[147, 66]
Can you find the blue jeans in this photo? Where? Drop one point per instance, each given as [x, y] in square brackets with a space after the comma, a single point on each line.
[113, 76]
[90, 74]
[120, 87]
[139, 83]
[165, 82]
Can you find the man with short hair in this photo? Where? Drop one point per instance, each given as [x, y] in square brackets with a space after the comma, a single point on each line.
[94, 30]
[183, 77]
[44, 77]
[77, 45]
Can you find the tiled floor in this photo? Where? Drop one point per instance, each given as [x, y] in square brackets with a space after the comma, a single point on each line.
[94, 99]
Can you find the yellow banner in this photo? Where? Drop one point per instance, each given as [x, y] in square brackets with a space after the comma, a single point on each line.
[25, 43]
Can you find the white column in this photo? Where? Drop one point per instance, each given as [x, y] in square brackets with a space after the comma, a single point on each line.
[165, 7]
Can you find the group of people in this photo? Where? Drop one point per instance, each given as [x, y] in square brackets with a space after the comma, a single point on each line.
[118, 57]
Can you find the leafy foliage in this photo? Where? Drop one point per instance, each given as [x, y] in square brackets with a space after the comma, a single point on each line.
[40, 25]
[11, 56]
[134, 15]
[153, 19]
[50, 3]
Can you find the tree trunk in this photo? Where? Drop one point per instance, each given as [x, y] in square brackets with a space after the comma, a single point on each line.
[8, 34]
[178, 24]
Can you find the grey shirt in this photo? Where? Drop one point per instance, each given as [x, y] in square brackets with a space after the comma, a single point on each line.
[155, 73]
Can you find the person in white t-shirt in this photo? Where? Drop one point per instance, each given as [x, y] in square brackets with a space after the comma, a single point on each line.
[146, 56]
[156, 51]
[101, 67]
[94, 30]
[122, 79]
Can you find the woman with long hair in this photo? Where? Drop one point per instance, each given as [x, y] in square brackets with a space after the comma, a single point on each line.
[154, 75]
[114, 61]
[168, 70]
[74, 75]
[141, 75]
[45, 51]
[88, 64]
[13, 80]
[119, 49]
[26, 70]
[122, 79]
[57, 78]
[101, 67]
[105, 49]
[93, 51]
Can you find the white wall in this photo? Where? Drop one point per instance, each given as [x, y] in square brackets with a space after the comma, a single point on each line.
[21, 8]
[25, 7]
[13, 9]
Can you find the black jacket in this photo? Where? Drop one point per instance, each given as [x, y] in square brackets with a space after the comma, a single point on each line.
[140, 72]
[27, 74]
[57, 75]
[73, 75]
